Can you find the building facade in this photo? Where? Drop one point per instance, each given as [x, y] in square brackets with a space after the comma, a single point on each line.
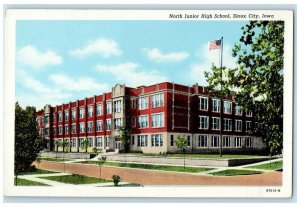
[156, 115]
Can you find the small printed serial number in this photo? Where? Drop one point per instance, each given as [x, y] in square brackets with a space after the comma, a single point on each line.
[272, 190]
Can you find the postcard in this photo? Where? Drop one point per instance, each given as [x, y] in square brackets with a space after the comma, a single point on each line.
[148, 103]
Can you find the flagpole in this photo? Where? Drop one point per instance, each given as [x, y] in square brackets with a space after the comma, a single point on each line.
[221, 105]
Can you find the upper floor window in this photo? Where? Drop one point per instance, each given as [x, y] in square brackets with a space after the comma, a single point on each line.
[53, 117]
[66, 115]
[118, 106]
[133, 103]
[216, 103]
[227, 124]
[203, 105]
[227, 107]
[249, 113]
[143, 121]
[90, 111]
[81, 128]
[238, 125]
[54, 130]
[248, 125]
[81, 113]
[157, 120]
[108, 124]
[108, 107]
[238, 110]
[73, 128]
[215, 123]
[46, 120]
[90, 127]
[157, 100]
[118, 123]
[99, 109]
[203, 122]
[73, 114]
[143, 102]
[66, 129]
[59, 129]
[99, 126]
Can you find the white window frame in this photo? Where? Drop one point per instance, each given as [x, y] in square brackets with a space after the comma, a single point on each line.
[108, 126]
[248, 141]
[73, 142]
[90, 127]
[247, 127]
[81, 112]
[226, 111]
[215, 144]
[66, 115]
[218, 106]
[73, 114]
[73, 131]
[60, 129]
[117, 106]
[202, 141]
[99, 109]
[226, 141]
[99, 127]
[108, 107]
[59, 116]
[157, 103]
[205, 108]
[237, 142]
[227, 124]
[81, 129]
[99, 142]
[90, 142]
[249, 113]
[213, 124]
[142, 140]
[236, 125]
[206, 124]
[90, 111]
[141, 121]
[238, 109]
[66, 131]
[157, 140]
[80, 142]
[157, 123]
[118, 123]
[143, 102]
[107, 141]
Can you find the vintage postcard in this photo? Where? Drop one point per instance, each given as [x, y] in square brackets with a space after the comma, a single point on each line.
[148, 103]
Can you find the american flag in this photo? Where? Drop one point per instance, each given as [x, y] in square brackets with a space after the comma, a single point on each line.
[215, 44]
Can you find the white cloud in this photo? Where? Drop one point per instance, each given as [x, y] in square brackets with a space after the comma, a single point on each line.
[103, 47]
[29, 55]
[81, 84]
[196, 73]
[131, 74]
[157, 56]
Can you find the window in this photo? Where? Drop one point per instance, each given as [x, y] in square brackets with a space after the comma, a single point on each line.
[142, 140]
[157, 140]
[46, 131]
[59, 129]
[53, 117]
[90, 142]
[249, 113]
[157, 120]
[133, 103]
[132, 140]
[227, 124]
[215, 141]
[248, 125]
[238, 142]
[108, 124]
[172, 140]
[216, 105]
[81, 113]
[81, 128]
[117, 105]
[188, 141]
[54, 130]
[143, 103]
[238, 110]
[226, 141]
[108, 108]
[99, 109]
[73, 128]
[66, 115]
[59, 116]
[106, 141]
[73, 143]
[118, 123]
[157, 100]
[143, 121]
[203, 103]
[133, 122]
[46, 119]
[248, 141]
[99, 126]
[215, 123]
[227, 107]
[98, 141]
[73, 114]
[90, 127]
[203, 122]
[238, 125]
[90, 111]
[202, 141]
[81, 140]
[66, 129]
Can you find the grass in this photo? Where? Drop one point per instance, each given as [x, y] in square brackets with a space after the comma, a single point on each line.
[268, 166]
[235, 172]
[24, 182]
[76, 179]
[153, 167]
[55, 159]
[38, 171]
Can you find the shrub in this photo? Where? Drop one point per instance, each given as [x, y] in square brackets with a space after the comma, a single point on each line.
[116, 179]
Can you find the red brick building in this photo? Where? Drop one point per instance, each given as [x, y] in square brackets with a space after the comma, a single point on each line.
[156, 114]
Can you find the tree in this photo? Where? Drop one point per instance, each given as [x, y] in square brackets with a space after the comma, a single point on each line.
[125, 134]
[58, 144]
[85, 146]
[101, 161]
[181, 143]
[28, 143]
[257, 82]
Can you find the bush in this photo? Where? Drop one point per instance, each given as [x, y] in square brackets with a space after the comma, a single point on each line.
[116, 179]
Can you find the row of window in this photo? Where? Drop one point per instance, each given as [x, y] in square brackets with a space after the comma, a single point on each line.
[143, 121]
[204, 124]
[99, 142]
[216, 105]
[157, 100]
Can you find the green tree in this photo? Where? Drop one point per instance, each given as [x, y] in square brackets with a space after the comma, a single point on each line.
[101, 161]
[257, 82]
[181, 143]
[58, 144]
[85, 146]
[28, 143]
[125, 134]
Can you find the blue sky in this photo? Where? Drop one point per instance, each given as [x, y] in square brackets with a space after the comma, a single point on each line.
[59, 61]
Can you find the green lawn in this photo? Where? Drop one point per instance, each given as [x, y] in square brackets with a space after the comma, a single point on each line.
[76, 179]
[24, 182]
[153, 167]
[268, 166]
[235, 172]
[55, 159]
[38, 171]
[225, 156]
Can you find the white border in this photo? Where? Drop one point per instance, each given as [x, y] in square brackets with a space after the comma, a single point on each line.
[202, 191]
